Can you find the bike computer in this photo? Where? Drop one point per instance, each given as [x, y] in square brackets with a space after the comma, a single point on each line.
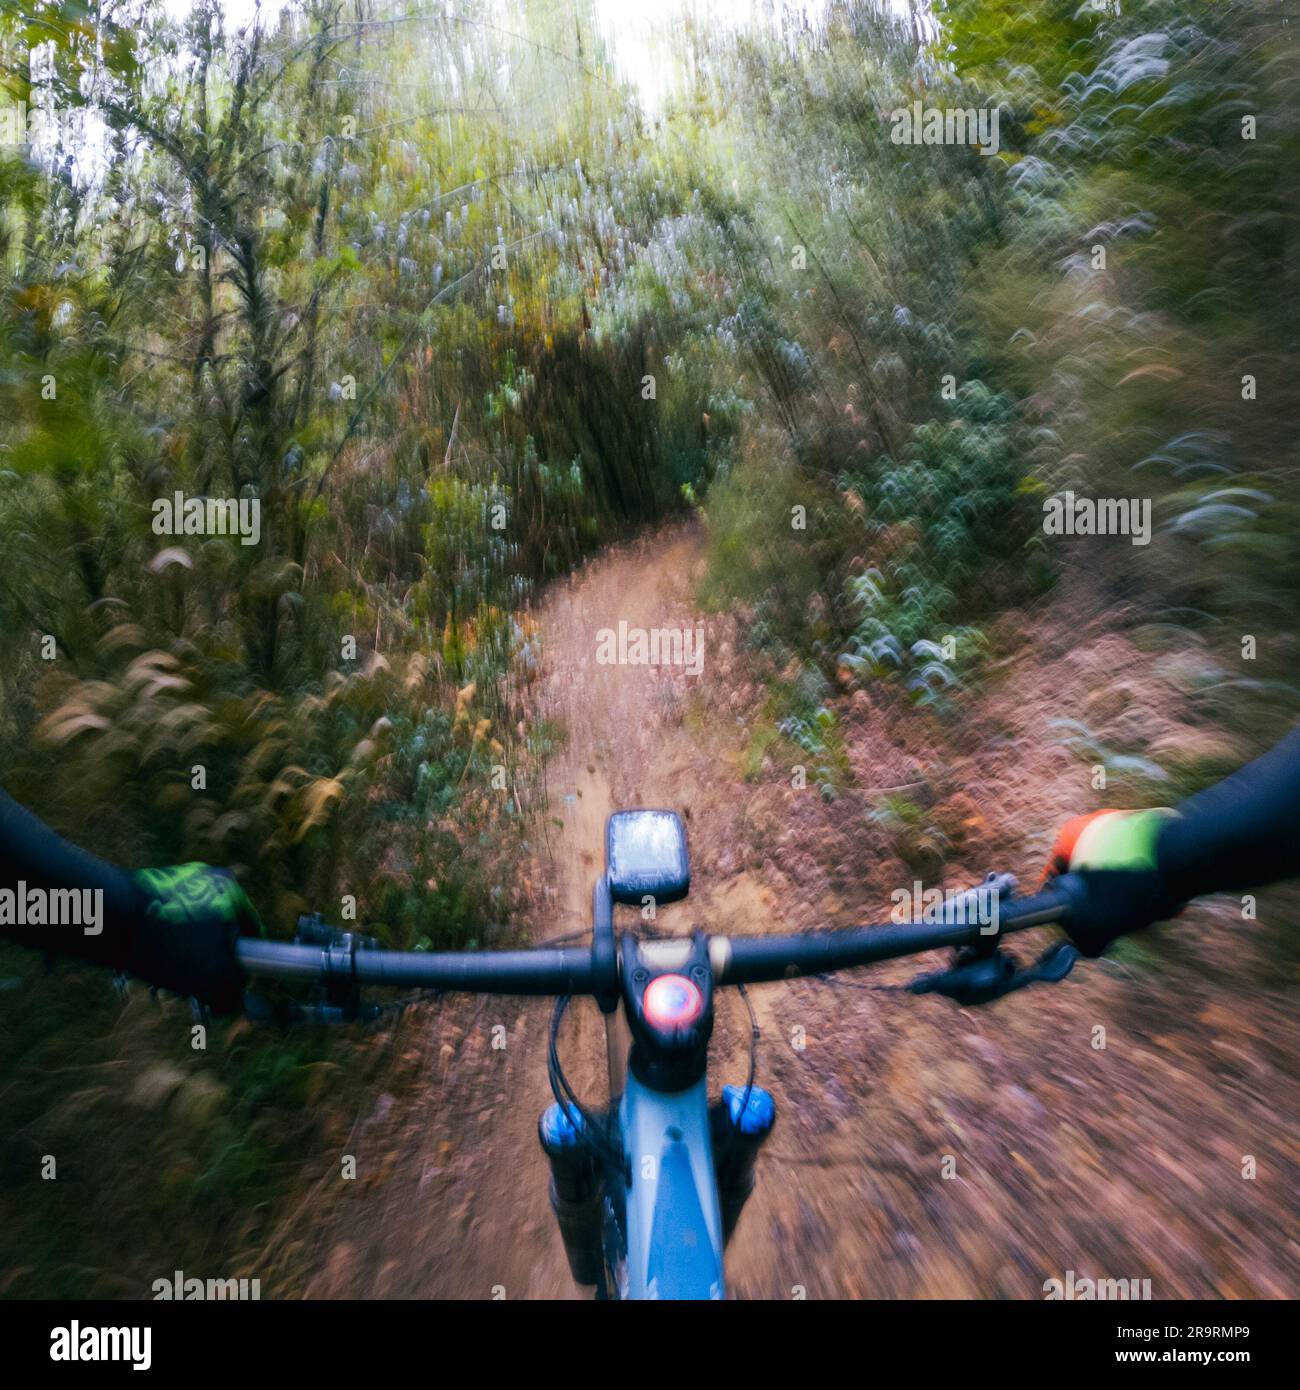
[645, 856]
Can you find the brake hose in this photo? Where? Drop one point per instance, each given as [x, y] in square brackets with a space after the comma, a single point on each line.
[565, 1096]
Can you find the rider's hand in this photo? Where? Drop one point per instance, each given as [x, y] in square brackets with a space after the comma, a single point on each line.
[185, 939]
[1113, 855]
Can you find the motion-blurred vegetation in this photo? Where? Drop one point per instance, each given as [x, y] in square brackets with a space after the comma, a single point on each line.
[1105, 305]
[413, 281]
[442, 295]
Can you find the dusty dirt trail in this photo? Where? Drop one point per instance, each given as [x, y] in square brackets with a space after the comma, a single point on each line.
[452, 1202]
[921, 1150]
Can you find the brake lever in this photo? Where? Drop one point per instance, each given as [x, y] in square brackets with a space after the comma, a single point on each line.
[981, 977]
[335, 999]
[259, 1009]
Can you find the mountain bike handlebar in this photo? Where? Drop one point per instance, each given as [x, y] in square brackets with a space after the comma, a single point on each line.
[756, 959]
[543, 970]
[557, 971]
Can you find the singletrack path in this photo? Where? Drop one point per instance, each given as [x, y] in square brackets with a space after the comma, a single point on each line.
[921, 1150]
[461, 1210]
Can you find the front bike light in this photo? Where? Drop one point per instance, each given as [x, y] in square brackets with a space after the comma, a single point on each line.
[671, 1002]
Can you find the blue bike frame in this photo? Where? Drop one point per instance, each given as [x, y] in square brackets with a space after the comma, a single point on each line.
[674, 1223]
[644, 1201]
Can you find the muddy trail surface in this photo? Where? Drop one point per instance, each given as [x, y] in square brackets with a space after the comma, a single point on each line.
[921, 1150]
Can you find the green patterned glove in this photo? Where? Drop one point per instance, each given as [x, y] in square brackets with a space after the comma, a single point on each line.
[185, 939]
[1112, 858]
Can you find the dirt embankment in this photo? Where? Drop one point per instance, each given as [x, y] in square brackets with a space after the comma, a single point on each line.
[921, 1150]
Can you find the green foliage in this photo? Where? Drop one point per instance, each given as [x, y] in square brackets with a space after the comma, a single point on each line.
[220, 1133]
[945, 523]
[455, 310]
[414, 329]
[917, 841]
[1108, 292]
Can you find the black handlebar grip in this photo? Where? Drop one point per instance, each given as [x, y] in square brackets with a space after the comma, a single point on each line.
[546, 970]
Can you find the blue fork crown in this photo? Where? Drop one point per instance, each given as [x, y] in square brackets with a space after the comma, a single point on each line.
[741, 1124]
[753, 1117]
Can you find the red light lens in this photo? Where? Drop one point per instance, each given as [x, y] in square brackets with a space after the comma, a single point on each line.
[672, 1001]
